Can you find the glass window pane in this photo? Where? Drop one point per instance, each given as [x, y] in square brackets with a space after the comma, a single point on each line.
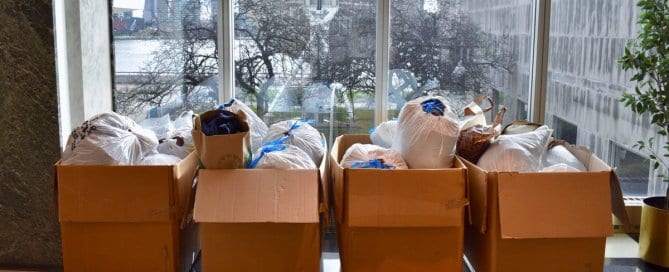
[585, 82]
[297, 60]
[460, 50]
[165, 57]
[632, 170]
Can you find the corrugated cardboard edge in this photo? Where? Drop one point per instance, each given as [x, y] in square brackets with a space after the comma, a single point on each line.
[618, 204]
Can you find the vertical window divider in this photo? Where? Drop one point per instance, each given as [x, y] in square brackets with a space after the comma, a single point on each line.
[225, 43]
[382, 60]
[539, 70]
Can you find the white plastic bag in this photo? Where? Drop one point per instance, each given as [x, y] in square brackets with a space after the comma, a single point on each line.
[372, 156]
[257, 126]
[427, 132]
[384, 134]
[519, 152]
[161, 126]
[560, 155]
[159, 159]
[560, 167]
[179, 140]
[109, 139]
[299, 134]
[281, 156]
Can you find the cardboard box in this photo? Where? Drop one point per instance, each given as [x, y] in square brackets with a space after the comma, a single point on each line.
[123, 218]
[398, 220]
[222, 151]
[261, 219]
[540, 221]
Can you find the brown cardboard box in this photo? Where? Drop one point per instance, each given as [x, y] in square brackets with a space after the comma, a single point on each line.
[123, 218]
[261, 219]
[540, 221]
[222, 151]
[398, 220]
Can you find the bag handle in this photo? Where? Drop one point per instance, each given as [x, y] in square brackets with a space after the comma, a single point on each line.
[474, 107]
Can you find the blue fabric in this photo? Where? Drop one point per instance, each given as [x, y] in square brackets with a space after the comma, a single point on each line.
[226, 105]
[434, 107]
[375, 164]
[264, 150]
[223, 123]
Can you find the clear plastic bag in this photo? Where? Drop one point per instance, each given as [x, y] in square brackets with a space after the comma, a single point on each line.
[559, 154]
[520, 152]
[257, 126]
[299, 134]
[281, 156]
[372, 156]
[109, 139]
[179, 140]
[159, 159]
[427, 133]
[161, 126]
[384, 134]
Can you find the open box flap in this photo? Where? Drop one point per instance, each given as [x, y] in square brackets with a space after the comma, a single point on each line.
[477, 179]
[257, 196]
[554, 205]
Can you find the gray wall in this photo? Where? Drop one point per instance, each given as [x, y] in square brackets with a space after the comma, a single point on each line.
[29, 233]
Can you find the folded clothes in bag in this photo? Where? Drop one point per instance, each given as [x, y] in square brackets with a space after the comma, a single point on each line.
[372, 156]
[281, 156]
[384, 134]
[257, 126]
[427, 133]
[299, 134]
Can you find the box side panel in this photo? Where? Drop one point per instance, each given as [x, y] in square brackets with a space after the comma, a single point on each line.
[101, 247]
[257, 196]
[401, 249]
[405, 198]
[551, 255]
[260, 247]
[554, 205]
[115, 194]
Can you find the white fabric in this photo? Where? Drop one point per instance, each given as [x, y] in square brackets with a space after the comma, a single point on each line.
[384, 134]
[160, 159]
[519, 152]
[257, 126]
[367, 152]
[109, 139]
[304, 137]
[560, 155]
[290, 158]
[426, 141]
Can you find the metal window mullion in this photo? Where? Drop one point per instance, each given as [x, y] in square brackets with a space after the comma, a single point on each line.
[539, 73]
[382, 60]
[225, 43]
